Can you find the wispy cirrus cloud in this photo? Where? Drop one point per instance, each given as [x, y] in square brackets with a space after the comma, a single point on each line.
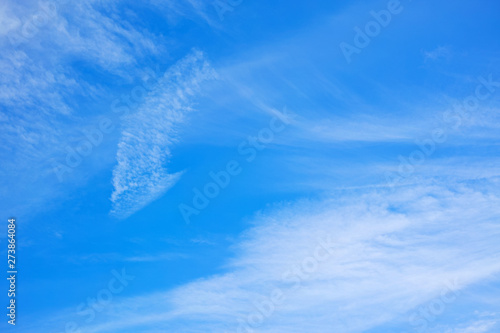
[348, 263]
[141, 174]
[117, 257]
[44, 91]
[48, 93]
[480, 326]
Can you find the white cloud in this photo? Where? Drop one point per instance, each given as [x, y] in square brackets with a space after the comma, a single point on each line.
[480, 326]
[389, 254]
[117, 257]
[143, 151]
[46, 91]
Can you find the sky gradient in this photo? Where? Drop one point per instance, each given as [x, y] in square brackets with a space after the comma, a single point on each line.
[252, 166]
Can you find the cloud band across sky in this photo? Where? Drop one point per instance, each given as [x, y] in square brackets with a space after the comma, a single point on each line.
[347, 263]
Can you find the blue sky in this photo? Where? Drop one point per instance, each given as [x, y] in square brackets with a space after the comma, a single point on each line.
[252, 166]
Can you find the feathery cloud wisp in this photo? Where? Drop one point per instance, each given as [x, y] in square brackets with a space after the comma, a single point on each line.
[346, 264]
[141, 175]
